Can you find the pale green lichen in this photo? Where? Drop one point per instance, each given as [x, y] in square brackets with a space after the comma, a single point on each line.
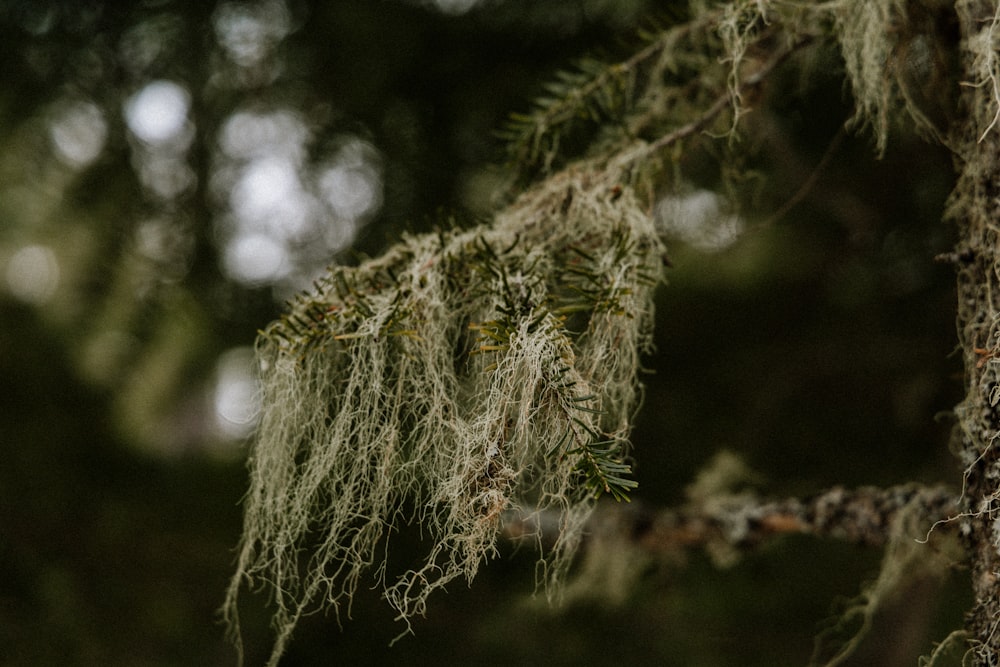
[906, 560]
[461, 375]
[466, 374]
[867, 32]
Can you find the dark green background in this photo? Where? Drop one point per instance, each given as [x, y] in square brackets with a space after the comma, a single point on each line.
[818, 347]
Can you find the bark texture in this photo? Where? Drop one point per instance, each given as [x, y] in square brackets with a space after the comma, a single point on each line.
[976, 210]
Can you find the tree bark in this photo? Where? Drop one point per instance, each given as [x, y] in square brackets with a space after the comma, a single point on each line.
[975, 207]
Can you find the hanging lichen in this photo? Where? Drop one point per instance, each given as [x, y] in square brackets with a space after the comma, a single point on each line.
[462, 374]
[465, 375]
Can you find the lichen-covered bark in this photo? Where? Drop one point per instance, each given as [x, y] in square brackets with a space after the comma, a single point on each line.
[976, 210]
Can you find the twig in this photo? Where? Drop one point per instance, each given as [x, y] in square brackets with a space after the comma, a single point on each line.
[723, 101]
[808, 184]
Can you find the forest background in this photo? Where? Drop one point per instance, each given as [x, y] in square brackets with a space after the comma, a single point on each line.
[170, 172]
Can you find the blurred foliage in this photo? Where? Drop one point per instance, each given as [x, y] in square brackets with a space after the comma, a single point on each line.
[816, 345]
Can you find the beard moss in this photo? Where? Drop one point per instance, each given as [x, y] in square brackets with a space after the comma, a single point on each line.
[463, 374]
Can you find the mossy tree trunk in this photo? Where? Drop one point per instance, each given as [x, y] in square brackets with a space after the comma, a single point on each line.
[976, 210]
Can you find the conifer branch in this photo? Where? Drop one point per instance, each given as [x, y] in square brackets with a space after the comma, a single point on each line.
[594, 93]
[722, 102]
[469, 373]
[437, 376]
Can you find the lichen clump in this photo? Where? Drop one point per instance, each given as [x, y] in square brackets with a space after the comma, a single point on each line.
[461, 375]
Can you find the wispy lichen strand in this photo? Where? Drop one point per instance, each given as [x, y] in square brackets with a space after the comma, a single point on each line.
[460, 375]
[694, 74]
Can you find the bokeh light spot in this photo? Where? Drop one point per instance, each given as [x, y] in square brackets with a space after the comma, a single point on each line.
[248, 32]
[454, 7]
[78, 134]
[264, 187]
[699, 219]
[350, 193]
[236, 396]
[351, 183]
[255, 259]
[158, 113]
[249, 134]
[33, 274]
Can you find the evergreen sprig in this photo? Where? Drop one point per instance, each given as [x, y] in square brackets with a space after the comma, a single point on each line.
[591, 94]
[595, 95]
[602, 465]
[588, 282]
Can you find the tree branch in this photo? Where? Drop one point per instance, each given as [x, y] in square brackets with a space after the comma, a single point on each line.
[724, 101]
[863, 516]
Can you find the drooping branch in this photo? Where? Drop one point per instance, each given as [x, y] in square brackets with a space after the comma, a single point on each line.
[462, 374]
